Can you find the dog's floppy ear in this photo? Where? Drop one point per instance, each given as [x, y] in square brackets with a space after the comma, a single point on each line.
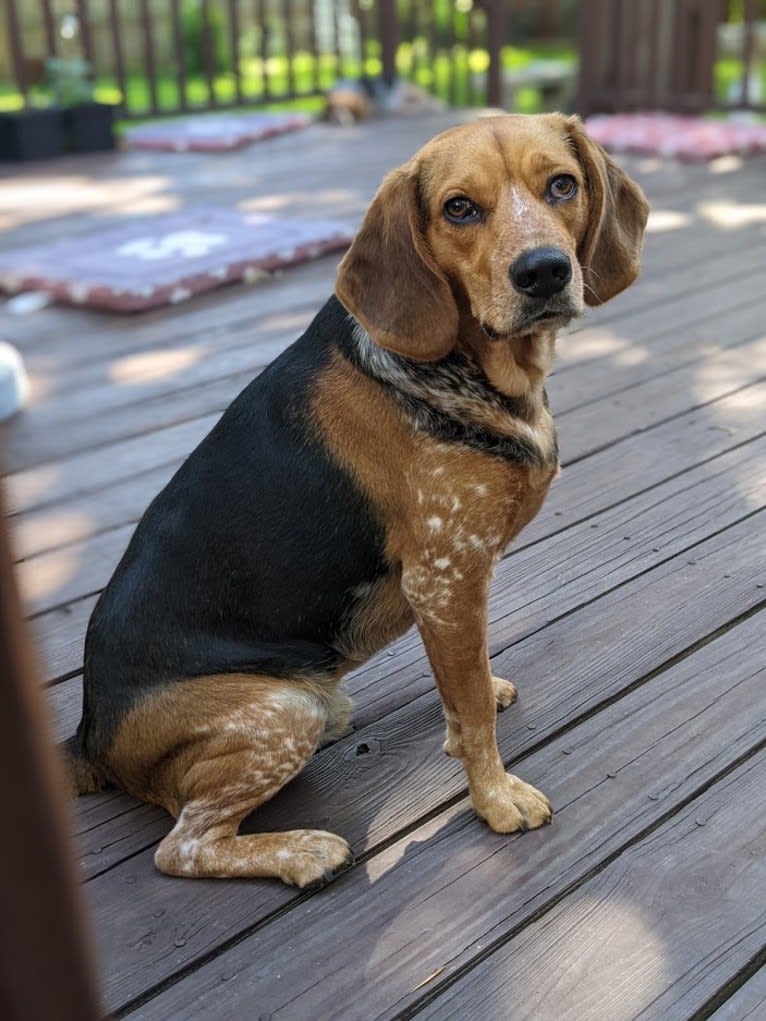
[389, 280]
[610, 252]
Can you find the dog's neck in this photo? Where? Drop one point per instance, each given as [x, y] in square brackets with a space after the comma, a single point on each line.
[457, 398]
[515, 366]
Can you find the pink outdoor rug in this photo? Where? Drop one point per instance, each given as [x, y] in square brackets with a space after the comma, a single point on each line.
[158, 260]
[686, 138]
[216, 132]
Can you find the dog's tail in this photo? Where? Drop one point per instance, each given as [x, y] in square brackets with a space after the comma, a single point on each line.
[84, 777]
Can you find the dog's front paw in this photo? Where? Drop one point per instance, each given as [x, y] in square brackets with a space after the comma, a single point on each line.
[505, 693]
[514, 805]
[311, 856]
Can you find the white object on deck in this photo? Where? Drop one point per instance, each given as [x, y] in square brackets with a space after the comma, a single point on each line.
[14, 384]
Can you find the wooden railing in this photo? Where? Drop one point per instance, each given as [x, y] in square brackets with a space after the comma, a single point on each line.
[165, 56]
[677, 55]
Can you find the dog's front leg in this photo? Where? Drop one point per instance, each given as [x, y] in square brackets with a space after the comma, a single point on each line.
[452, 619]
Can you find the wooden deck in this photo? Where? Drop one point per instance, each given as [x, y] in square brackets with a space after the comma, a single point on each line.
[631, 614]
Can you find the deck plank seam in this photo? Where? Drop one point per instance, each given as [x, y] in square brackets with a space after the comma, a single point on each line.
[726, 991]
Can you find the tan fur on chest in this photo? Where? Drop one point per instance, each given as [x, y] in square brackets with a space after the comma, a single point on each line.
[408, 474]
[449, 510]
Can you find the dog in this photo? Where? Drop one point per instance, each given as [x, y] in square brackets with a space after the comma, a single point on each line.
[370, 478]
[353, 100]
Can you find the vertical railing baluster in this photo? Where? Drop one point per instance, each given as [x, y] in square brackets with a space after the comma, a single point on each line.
[208, 53]
[470, 44]
[749, 65]
[628, 51]
[84, 29]
[119, 59]
[412, 32]
[654, 43]
[151, 69]
[289, 37]
[589, 35]
[315, 49]
[453, 54]
[708, 22]
[361, 20]
[389, 38]
[496, 34]
[49, 24]
[16, 47]
[264, 47]
[234, 45]
[180, 53]
[339, 69]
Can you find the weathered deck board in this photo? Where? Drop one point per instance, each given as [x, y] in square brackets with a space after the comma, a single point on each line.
[631, 612]
[656, 933]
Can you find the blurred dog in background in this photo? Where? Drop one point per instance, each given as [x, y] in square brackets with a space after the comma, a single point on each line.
[351, 101]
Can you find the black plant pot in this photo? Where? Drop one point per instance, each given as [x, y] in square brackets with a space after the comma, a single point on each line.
[90, 127]
[31, 134]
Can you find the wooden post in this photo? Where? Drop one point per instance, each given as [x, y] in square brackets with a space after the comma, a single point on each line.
[16, 46]
[179, 51]
[86, 39]
[234, 40]
[49, 24]
[45, 967]
[597, 39]
[496, 37]
[289, 30]
[151, 68]
[389, 39]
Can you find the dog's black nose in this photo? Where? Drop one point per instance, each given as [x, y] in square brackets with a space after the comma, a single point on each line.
[541, 272]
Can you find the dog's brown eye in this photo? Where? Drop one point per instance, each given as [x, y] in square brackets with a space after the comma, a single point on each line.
[461, 210]
[562, 188]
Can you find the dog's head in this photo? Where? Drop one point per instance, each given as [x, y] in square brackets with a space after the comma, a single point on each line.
[516, 221]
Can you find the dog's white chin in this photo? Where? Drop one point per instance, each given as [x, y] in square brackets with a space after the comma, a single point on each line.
[529, 327]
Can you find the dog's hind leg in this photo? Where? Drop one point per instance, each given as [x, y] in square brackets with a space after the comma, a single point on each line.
[226, 745]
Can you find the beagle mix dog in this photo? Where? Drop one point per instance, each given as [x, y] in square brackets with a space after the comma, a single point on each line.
[370, 478]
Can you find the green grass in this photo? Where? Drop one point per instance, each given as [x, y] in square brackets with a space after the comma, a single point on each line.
[728, 73]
